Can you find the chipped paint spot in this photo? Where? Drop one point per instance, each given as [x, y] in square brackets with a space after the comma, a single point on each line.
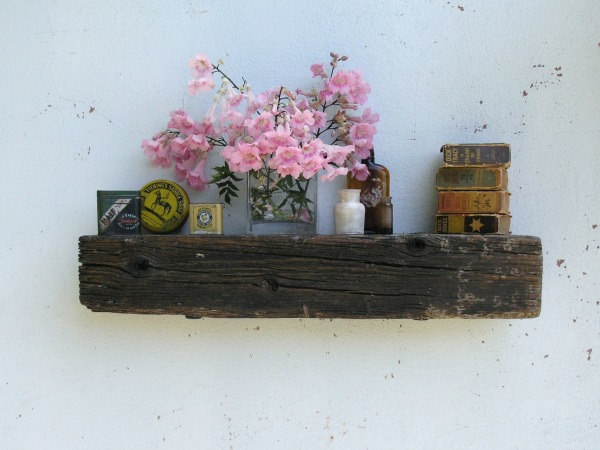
[481, 128]
[525, 94]
[559, 262]
[589, 352]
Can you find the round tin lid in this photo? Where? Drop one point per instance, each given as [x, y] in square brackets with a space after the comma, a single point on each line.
[165, 206]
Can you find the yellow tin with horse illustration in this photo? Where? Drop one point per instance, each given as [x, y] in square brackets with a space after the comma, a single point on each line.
[165, 206]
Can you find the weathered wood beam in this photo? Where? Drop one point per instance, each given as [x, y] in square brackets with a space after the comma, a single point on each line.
[411, 276]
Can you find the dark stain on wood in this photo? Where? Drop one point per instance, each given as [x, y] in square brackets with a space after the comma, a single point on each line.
[412, 276]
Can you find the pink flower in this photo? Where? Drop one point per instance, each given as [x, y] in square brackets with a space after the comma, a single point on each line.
[203, 84]
[311, 166]
[181, 150]
[281, 137]
[303, 104]
[182, 168]
[258, 125]
[263, 99]
[196, 178]
[327, 93]
[359, 171]
[236, 100]
[181, 121]
[230, 114]
[228, 153]
[285, 156]
[150, 147]
[198, 142]
[295, 170]
[359, 90]
[205, 128]
[363, 152]
[158, 152]
[231, 121]
[201, 66]
[320, 120]
[312, 149]
[246, 158]
[366, 117]
[341, 82]
[263, 146]
[338, 155]
[362, 134]
[302, 119]
[318, 70]
[333, 172]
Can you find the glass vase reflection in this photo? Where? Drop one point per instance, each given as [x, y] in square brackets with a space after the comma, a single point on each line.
[281, 204]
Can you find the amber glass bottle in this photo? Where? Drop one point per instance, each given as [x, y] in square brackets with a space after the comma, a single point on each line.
[372, 192]
[385, 216]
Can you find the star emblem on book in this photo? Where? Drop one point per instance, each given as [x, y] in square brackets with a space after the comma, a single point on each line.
[476, 225]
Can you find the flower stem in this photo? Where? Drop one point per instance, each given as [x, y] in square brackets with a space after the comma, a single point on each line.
[217, 69]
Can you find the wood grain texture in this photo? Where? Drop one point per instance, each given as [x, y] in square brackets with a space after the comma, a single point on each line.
[412, 276]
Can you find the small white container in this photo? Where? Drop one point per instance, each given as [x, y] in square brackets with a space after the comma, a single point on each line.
[349, 213]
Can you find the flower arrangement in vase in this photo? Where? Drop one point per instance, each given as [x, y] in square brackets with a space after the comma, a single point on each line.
[281, 139]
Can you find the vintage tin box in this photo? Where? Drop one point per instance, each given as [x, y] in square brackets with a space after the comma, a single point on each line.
[206, 218]
[119, 212]
[165, 206]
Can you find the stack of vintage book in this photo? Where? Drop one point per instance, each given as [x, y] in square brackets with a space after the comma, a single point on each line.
[472, 189]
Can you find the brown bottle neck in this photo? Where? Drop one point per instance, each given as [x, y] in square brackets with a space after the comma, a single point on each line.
[370, 158]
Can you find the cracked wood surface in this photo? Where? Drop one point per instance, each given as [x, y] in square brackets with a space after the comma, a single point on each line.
[411, 276]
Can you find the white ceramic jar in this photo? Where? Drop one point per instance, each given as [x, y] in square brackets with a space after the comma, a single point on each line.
[349, 213]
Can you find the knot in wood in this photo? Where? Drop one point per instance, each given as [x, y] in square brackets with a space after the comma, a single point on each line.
[140, 265]
[271, 283]
[416, 245]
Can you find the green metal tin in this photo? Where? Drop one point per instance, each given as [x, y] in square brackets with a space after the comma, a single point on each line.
[119, 212]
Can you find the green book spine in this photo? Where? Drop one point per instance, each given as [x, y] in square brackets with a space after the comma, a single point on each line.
[477, 155]
[472, 178]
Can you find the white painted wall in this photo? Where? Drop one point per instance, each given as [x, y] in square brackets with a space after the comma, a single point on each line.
[84, 82]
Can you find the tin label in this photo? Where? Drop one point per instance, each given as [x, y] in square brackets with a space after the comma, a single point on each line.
[164, 206]
[206, 218]
[117, 214]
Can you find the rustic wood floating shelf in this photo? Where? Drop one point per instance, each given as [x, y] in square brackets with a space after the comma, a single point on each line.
[402, 276]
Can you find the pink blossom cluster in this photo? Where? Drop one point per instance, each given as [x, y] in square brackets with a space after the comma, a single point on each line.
[277, 130]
